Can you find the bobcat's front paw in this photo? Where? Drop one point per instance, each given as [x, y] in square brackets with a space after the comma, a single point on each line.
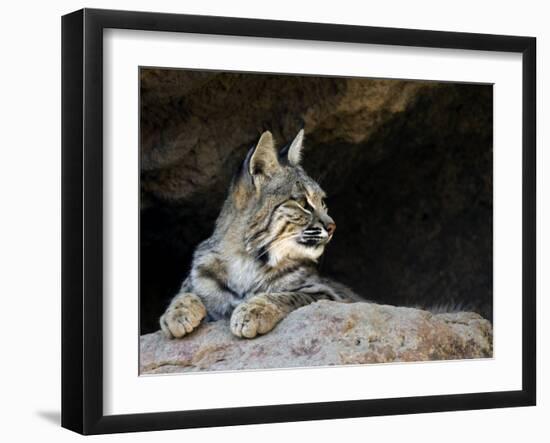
[256, 316]
[182, 316]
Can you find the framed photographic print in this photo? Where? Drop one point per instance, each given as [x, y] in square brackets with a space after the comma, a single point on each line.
[270, 221]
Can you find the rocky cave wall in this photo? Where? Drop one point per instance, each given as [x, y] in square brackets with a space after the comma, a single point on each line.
[407, 166]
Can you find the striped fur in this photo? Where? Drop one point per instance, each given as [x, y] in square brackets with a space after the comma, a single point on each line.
[260, 262]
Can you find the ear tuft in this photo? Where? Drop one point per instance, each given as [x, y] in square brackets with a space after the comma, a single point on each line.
[295, 149]
[264, 158]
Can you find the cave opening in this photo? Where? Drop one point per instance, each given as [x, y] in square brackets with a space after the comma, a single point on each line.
[407, 166]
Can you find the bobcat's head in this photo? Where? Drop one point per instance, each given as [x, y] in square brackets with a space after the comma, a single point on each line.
[283, 209]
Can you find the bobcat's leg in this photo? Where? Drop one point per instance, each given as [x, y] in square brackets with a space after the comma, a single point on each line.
[183, 315]
[262, 312]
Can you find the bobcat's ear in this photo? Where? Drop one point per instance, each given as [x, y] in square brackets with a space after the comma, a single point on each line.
[293, 152]
[263, 160]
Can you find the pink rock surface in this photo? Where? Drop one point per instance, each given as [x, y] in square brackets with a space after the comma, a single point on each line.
[324, 334]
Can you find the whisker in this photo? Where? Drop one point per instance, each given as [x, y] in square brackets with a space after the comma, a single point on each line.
[281, 238]
[276, 243]
[273, 245]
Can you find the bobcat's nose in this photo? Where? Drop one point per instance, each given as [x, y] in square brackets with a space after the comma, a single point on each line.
[331, 227]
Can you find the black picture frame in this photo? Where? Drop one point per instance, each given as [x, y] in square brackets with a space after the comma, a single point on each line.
[82, 220]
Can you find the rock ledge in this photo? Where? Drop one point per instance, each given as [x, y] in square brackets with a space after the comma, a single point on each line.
[325, 334]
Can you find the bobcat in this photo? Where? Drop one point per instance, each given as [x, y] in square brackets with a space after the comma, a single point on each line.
[260, 262]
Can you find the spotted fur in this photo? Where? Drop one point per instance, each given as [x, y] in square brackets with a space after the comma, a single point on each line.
[261, 261]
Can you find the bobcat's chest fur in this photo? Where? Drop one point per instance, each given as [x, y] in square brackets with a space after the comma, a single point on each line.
[244, 275]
